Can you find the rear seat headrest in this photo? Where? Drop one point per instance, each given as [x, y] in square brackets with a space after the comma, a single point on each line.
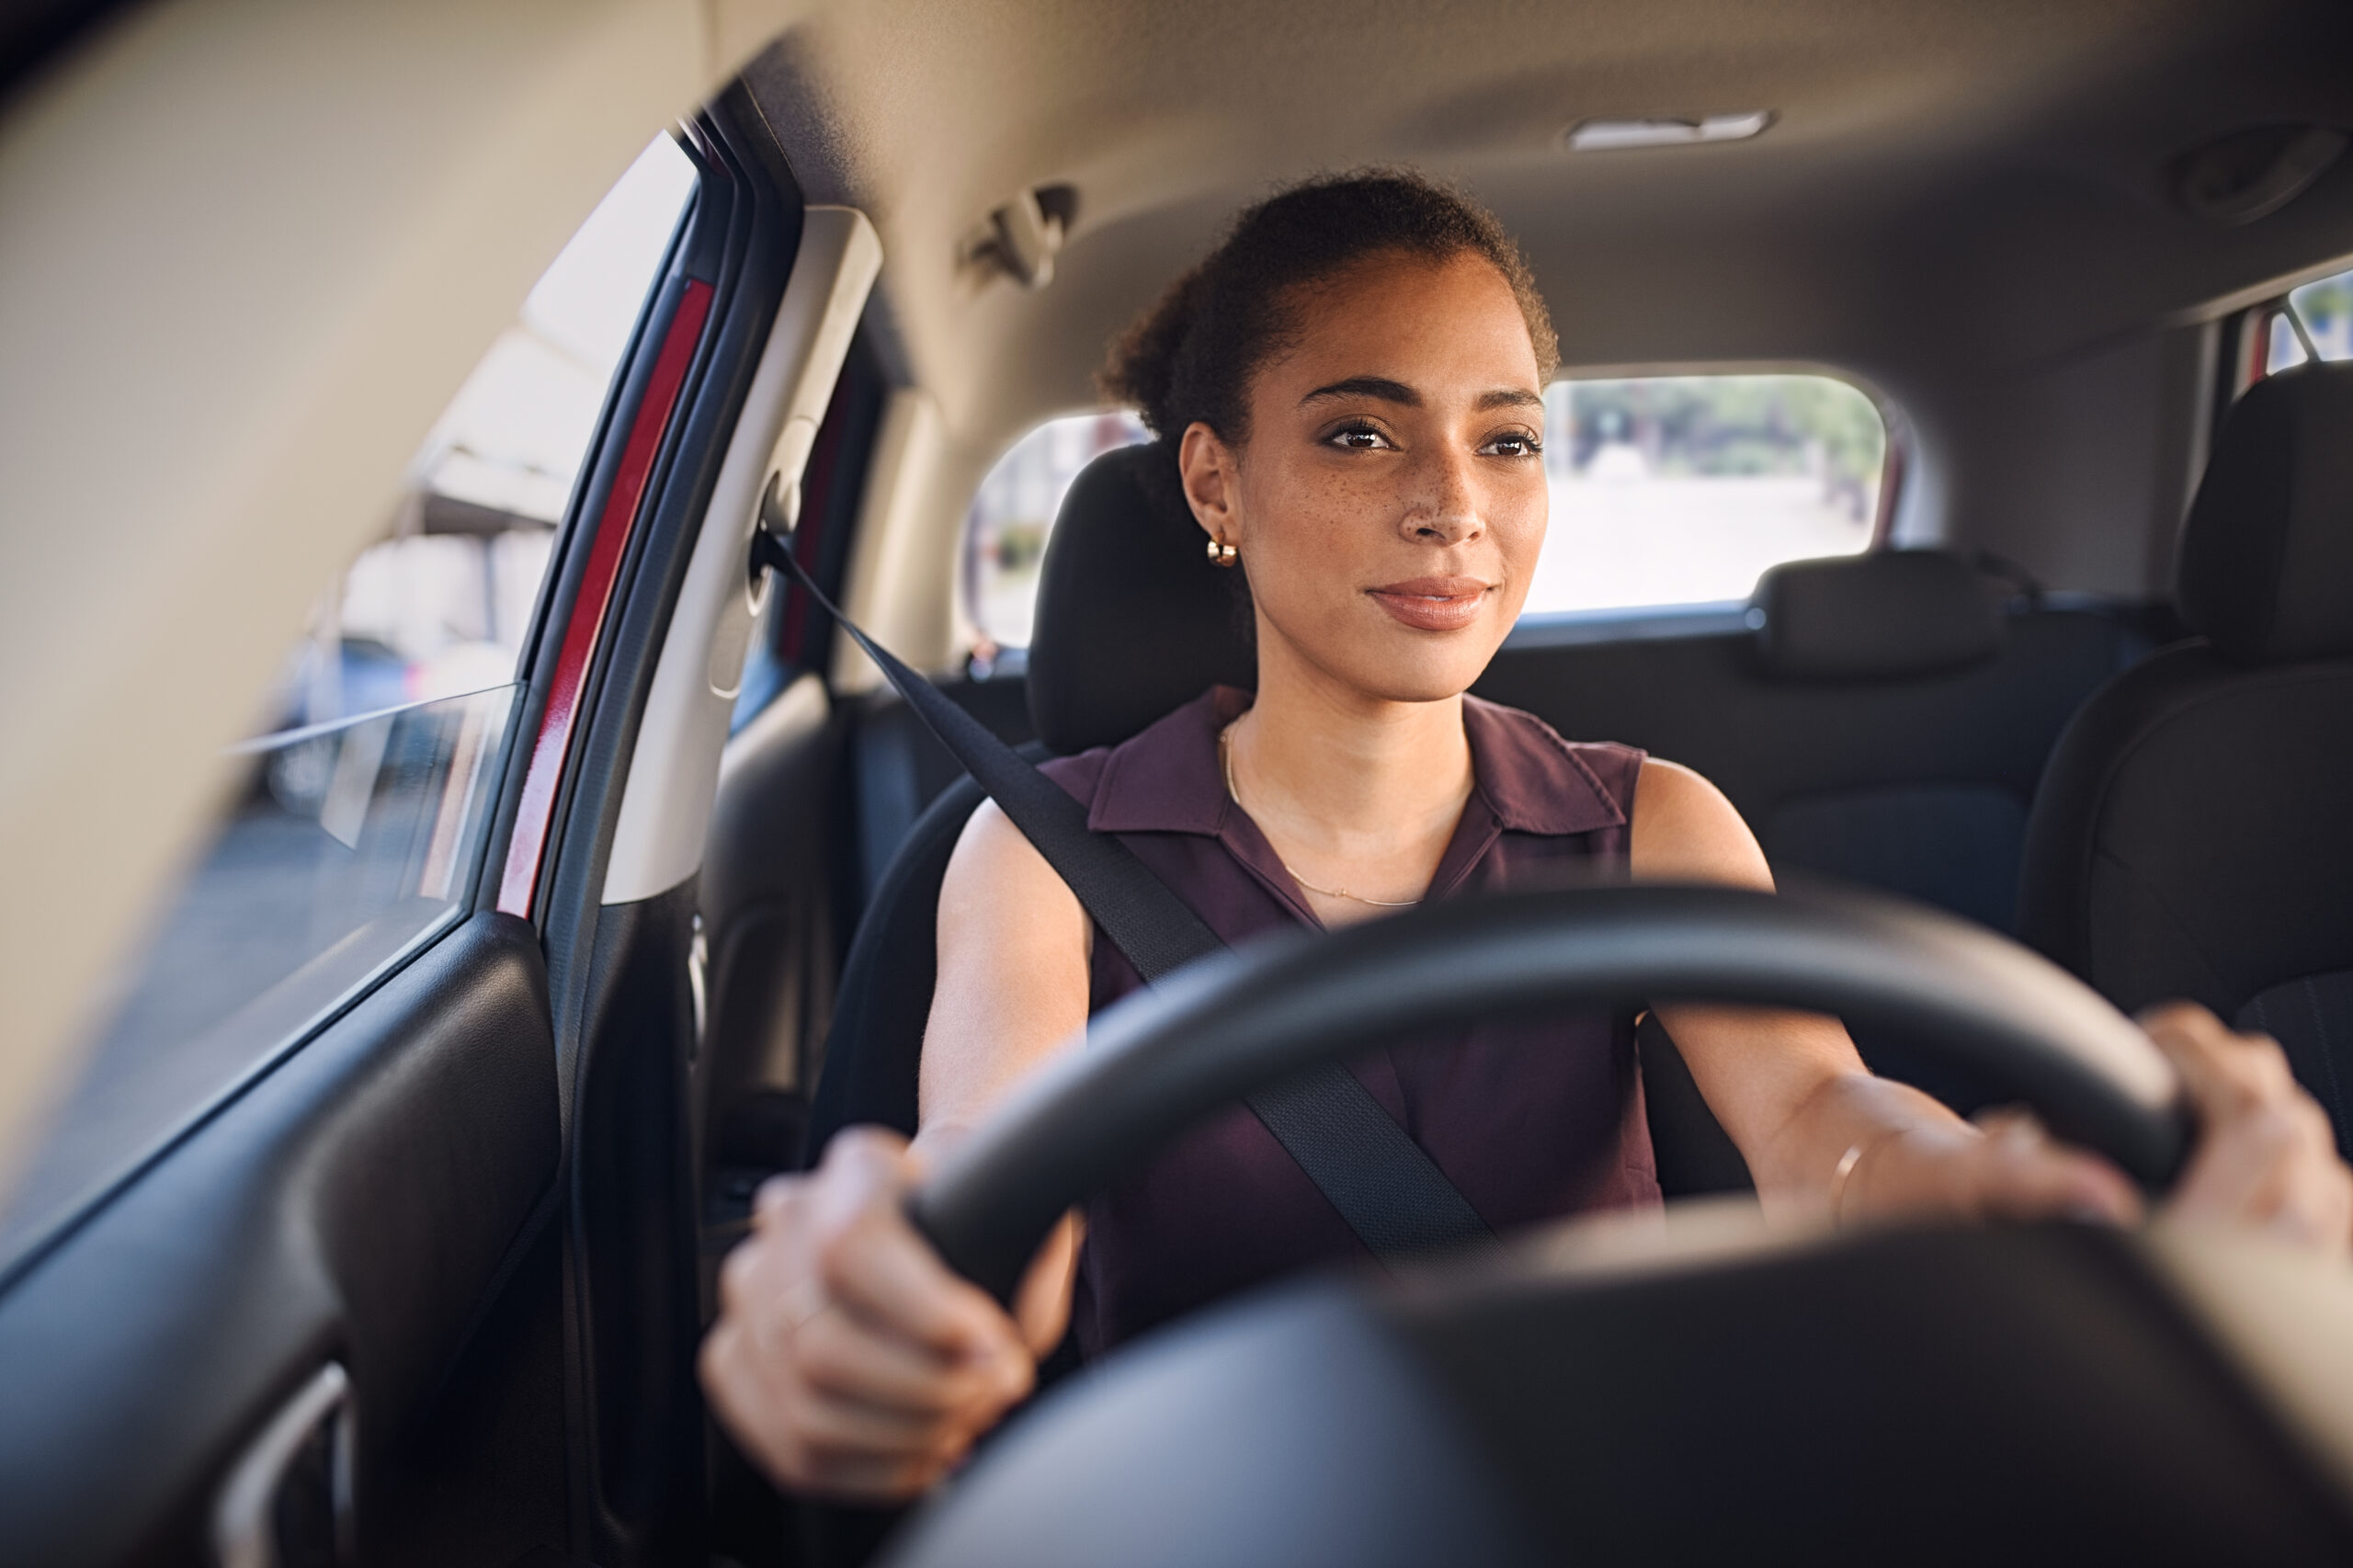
[1131, 617]
[1874, 617]
[2267, 556]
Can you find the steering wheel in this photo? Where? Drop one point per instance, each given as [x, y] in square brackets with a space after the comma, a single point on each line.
[1220, 1029]
[1926, 1394]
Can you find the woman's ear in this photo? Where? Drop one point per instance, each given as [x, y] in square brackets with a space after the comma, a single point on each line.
[1206, 467]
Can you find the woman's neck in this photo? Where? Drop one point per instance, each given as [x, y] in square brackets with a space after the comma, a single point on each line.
[1353, 791]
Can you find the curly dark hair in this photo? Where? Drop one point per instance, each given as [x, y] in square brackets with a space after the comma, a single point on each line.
[1192, 355]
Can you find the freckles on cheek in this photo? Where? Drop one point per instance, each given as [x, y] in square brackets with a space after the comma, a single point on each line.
[1312, 526]
[1344, 513]
[1332, 554]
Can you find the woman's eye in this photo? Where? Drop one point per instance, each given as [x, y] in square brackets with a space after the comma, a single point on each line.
[1513, 444]
[1358, 439]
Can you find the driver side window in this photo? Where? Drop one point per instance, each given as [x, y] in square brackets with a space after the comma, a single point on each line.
[352, 821]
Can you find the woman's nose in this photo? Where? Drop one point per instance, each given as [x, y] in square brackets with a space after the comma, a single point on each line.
[1444, 507]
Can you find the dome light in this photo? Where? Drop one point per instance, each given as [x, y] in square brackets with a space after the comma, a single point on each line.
[1664, 131]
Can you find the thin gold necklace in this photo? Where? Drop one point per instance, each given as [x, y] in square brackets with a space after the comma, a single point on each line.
[1225, 761]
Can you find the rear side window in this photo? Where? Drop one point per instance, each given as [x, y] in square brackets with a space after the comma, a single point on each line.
[2325, 308]
[1005, 535]
[1665, 490]
[1679, 490]
[354, 819]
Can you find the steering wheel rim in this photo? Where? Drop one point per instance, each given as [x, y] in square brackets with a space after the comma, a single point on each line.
[1163, 1058]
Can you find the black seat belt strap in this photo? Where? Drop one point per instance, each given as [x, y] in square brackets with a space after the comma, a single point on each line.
[1383, 1184]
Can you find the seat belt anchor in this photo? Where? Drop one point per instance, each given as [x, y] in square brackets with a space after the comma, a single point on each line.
[772, 539]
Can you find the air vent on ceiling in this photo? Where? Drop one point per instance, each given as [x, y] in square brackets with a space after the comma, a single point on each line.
[1664, 131]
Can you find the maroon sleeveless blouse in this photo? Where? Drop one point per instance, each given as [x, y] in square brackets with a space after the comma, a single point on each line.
[1530, 1120]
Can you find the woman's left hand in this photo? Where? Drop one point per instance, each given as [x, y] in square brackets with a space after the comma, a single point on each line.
[2265, 1158]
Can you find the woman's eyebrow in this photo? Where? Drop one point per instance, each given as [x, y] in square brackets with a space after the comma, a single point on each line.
[1380, 387]
[1389, 391]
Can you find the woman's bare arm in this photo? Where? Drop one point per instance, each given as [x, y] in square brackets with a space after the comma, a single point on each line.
[847, 1358]
[1790, 1090]
[1014, 948]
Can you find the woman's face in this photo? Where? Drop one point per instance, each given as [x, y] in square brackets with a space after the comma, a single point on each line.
[1389, 502]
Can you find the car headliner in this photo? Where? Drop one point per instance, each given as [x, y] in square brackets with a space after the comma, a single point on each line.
[1961, 187]
[226, 339]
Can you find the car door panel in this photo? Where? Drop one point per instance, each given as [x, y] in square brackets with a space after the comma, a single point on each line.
[354, 1204]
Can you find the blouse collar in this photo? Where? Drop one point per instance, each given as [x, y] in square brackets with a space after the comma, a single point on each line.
[1168, 778]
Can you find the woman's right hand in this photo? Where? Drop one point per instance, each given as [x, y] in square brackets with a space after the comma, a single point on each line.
[847, 1360]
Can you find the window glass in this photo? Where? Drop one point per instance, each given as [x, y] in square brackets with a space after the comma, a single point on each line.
[2325, 307]
[356, 818]
[1671, 490]
[442, 604]
[1005, 536]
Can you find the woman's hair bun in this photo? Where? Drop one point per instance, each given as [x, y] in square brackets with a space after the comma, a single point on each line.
[1141, 368]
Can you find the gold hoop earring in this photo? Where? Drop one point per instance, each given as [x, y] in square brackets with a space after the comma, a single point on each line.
[1223, 553]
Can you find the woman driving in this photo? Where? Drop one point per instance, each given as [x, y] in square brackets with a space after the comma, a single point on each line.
[1349, 393]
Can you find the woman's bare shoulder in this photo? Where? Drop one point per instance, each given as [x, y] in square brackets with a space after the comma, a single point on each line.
[1012, 983]
[1685, 830]
[997, 882]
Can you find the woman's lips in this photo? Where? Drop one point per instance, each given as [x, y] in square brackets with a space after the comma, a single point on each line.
[1433, 604]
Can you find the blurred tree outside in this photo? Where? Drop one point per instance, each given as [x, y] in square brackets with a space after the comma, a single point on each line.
[1672, 490]
[1726, 426]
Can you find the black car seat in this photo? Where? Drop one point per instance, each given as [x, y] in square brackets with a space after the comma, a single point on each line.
[2194, 836]
[1131, 620]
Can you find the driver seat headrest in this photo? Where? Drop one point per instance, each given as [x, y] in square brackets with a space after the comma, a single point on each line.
[2267, 556]
[1131, 620]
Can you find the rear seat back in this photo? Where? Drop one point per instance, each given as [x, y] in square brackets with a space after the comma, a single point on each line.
[1879, 719]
